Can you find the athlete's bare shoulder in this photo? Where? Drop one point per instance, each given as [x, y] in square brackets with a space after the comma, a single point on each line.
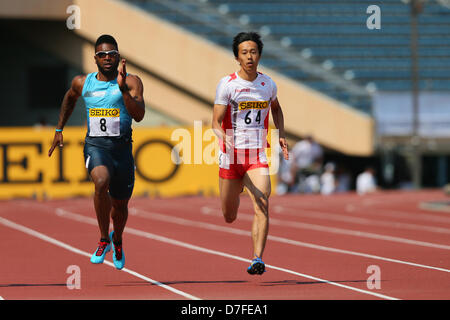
[79, 80]
[78, 83]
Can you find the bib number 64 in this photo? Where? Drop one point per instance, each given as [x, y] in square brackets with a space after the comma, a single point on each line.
[248, 120]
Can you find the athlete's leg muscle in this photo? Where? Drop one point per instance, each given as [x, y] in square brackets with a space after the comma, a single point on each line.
[230, 190]
[102, 201]
[257, 182]
[119, 216]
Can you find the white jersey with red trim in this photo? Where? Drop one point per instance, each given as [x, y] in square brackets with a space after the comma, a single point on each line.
[248, 105]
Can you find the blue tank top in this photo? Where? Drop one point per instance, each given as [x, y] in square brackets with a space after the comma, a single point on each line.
[108, 121]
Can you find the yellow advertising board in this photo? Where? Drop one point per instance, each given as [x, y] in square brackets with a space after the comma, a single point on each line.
[169, 162]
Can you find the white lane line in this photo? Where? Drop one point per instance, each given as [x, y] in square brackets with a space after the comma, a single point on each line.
[283, 210]
[58, 243]
[435, 206]
[420, 216]
[361, 209]
[80, 218]
[315, 227]
[210, 226]
[363, 218]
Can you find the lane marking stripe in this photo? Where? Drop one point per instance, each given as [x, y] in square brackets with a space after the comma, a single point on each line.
[358, 220]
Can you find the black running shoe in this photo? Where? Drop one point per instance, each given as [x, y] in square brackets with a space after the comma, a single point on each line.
[257, 267]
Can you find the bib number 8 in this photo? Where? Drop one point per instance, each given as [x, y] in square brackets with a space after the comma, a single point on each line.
[104, 127]
[103, 124]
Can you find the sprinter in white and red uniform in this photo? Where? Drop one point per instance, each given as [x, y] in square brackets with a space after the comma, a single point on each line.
[240, 120]
[246, 120]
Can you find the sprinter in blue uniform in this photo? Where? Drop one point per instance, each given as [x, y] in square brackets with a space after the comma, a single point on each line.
[112, 98]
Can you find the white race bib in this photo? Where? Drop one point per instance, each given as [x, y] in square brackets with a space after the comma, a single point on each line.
[104, 122]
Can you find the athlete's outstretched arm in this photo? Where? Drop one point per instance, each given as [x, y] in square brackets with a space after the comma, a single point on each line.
[132, 92]
[278, 120]
[67, 106]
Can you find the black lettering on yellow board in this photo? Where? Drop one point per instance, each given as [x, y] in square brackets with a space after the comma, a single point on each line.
[22, 163]
[243, 105]
[151, 179]
[62, 170]
[61, 177]
[110, 112]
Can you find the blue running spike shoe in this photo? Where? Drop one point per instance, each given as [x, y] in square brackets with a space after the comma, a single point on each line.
[118, 254]
[99, 254]
[257, 267]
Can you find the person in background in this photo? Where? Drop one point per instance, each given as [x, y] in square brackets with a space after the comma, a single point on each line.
[366, 182]
[343, 178]
[328, 181]
[307, 157]
[284, 175]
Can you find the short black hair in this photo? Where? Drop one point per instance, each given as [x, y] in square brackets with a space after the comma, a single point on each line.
[106, 38]
[246, 36]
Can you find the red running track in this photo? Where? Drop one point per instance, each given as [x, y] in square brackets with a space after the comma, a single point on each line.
[319, 248]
